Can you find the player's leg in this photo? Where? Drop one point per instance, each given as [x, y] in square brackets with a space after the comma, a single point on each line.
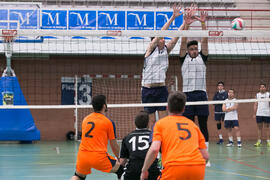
[238, 136]
[228, 127]
[148, 97]
[162, 97]
[203, 126]
[267, 129]
[219, 118]
[259, 121]
[78, 176]
[83, 166]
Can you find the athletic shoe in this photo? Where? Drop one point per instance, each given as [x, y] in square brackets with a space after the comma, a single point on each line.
[258, 144]
[230, 144]
[268, 144]
[208, 164]
[221, 141]
[239, 144]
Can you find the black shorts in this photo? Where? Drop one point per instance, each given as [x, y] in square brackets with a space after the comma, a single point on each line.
[231, 123]
[261, 119]
[154, 95]
[199, 110]
[219, 116]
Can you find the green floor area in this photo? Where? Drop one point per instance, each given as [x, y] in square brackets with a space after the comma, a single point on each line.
[56, 160]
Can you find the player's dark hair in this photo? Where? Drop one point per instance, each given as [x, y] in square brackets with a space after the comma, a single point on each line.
[262, 83]
[152, 38]
[231, 89]
[142, 120]
[220, 82]
[98, 101]
[193, 42]
[176, 102]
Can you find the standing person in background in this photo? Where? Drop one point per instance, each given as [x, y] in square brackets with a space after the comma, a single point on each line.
[231, 118]
[220, 95]
[97, 130]
[182, 144]
[262, 115]
[193, 71]
[134, 148]
[154, 89]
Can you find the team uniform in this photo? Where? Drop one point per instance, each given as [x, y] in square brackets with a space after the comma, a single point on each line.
[181, 141]
[97, 129]
[263, 110]
[154, 89]
[231, 118]
[219, 114]
[134, 148]
[194, 83]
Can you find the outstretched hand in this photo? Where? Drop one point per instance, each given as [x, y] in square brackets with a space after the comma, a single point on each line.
[177, 10]
[202, 17]
[189, 14]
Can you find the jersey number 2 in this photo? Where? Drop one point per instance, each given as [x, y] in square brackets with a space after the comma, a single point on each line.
[91, 129]
[180, 128]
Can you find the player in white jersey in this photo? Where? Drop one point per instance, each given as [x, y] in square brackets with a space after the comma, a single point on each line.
[262, 115]
[194, 75]
[231, 118]
[156, 63]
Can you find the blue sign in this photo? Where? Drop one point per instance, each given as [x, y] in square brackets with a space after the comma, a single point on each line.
[111, 20]
[54, 19]
[140, 20]
[27, 19]
[82, 20]
[3, 19]
[163, 17]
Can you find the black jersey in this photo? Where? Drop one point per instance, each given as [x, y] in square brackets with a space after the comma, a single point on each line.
[134, 148]
[220, 96]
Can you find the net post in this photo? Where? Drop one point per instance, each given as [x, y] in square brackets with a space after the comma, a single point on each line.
[76, 107]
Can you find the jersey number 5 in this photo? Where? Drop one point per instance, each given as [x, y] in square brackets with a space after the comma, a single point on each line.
[91, 129]
[180, 128]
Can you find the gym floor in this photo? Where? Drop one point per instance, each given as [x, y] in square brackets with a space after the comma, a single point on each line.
[56, 160]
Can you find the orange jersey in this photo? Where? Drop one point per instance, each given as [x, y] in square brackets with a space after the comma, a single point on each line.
[97, 129]
[181, 141]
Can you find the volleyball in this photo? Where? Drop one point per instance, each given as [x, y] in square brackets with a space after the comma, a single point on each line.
[238, 24]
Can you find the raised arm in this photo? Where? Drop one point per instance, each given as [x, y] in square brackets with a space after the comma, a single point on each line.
[154, 42]
[188, 18]
[204, 42]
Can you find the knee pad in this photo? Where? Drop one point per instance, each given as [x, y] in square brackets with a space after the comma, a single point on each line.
[80, 177]
[218, 126]
[120, 171]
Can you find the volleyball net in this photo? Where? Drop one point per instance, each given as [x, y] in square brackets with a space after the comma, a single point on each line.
[60, 71]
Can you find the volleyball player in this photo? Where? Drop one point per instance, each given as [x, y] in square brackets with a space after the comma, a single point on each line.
[134, 148]
[182, 144]
[193, 70]
[231, 118]
[221, 94]
[97, 130]
[156, 63]
[262, 115]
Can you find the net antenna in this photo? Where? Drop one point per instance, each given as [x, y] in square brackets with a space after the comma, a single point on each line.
[8, 36]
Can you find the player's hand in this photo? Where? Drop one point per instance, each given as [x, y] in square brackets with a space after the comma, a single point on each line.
[177, 10]
[144, 175]
[189, 14]
[203, 16]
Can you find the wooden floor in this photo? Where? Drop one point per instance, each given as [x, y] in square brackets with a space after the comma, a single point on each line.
[56, 161]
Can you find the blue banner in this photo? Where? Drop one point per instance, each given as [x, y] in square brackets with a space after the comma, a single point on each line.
[140, 20]
[111, 20]
[75, 19]
[82, 20]
[163, 17]
[27, 19]
[54, 19]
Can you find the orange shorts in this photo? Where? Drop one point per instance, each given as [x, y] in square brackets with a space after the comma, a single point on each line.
[183, 172]
[101, 161]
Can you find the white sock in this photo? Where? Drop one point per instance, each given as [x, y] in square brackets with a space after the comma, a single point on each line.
[260, 141]
[207, 145]
[220, 136]
[239, 139]
[268, 140]
[231, 138]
